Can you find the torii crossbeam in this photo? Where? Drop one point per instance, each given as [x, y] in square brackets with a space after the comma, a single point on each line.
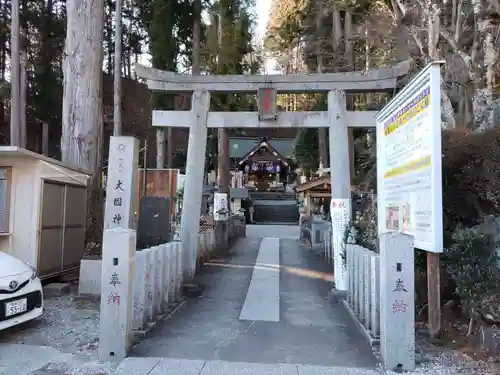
[377, 80]
[337, 119]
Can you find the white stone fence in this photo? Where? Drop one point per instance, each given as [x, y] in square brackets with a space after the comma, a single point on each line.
[158, 278]
[138, 287]
[363, 289]
[158, 282]
[206, 246]
[363, 284]
[91, 269]
[328, 245]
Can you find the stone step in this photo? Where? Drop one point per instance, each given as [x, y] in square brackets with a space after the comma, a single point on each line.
[269, 195]
[162, 366]
[276, 213]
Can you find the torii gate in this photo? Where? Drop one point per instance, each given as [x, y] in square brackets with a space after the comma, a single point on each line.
[337, 119]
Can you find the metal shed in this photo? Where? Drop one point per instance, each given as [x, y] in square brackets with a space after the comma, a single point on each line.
[42, 211]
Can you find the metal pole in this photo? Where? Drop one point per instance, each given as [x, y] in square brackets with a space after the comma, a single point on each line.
[15, 76]
[117, 95]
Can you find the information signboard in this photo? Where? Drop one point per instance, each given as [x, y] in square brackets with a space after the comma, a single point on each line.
[409, 182]
[221, 208]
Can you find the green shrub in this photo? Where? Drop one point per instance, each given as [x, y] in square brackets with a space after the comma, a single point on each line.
[472, 262]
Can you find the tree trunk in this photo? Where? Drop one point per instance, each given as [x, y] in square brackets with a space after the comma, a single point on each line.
[23, 83]
[108, 11]
[433, 33]
[45, 139]
[196, 53]
[196, 70]
[349, 54]
[223, 165]
[82, 117]
[336, 31]
[15, 109]
[322, 132]
[117, 77]
[82, 85]
[369, 96]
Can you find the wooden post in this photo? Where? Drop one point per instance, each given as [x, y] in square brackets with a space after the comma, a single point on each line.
[433, 269]
[434, 294]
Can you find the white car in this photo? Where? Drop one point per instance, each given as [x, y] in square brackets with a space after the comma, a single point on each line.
[21, 294]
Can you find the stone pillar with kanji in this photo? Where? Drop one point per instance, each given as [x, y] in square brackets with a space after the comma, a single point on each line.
[121, 183]
[117, 293]
[397, 301]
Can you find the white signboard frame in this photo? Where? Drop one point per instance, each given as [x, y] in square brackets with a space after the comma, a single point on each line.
[409, 174]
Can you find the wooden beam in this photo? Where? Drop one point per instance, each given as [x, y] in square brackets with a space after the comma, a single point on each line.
[308, 185]
[320, 194]
[183, 119]
[361, 81]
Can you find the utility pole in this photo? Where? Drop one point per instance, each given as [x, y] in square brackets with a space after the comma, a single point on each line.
[15, 76]
[222, 134]
[117, 83]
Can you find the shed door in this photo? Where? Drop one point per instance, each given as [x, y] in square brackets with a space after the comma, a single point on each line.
[74, 226]
[51, 231]
[62, 231]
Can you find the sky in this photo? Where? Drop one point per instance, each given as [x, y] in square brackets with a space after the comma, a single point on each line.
[262, 10]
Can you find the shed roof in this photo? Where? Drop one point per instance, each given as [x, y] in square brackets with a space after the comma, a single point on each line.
[19, 152]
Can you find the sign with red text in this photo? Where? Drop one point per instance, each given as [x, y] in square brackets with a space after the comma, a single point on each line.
[267, 103]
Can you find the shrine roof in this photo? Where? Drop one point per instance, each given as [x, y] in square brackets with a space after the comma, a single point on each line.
[273, 153]
[240, 147]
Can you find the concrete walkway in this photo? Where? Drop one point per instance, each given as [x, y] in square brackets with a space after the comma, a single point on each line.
[265, 305]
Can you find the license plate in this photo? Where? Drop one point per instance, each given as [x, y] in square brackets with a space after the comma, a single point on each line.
[16, 307]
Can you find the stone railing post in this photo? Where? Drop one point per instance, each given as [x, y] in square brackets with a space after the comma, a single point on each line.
[397, 301]
[117, 293]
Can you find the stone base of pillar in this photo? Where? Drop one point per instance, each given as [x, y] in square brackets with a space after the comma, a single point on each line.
[336, 296]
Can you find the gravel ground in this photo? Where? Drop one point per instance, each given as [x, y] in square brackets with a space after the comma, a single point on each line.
[68, 324]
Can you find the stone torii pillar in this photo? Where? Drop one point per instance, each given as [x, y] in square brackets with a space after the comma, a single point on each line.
[193, 186]
[340, 180]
